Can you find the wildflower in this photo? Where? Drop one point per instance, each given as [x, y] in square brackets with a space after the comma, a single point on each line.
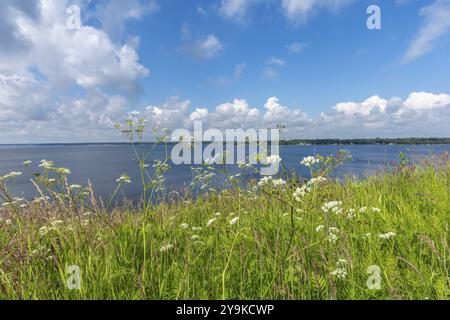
[342, 262]
[184, 226]
[317, 180]
[266, 181]
[12, 175]
[57, 223]
[63, 171]
[376, 210]
[166, 247]
[124, 179]
[234, 221]
[310, 161]
[320, 228]
[351, 213]
[27, 163]
[363, 210]
[45, 164]
[273, 159]
[218, 214]
[340, 273]
[41, 199]
[332, 207]
[210, 222]
[86, 214]
[332, 234]
[75, 187]
[300, 193]
[43, 231]
[195, 229]
[387, 236]
[195, 237]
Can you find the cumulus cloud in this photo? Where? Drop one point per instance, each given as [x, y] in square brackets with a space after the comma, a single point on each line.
[114, 14]
[299, 11]
[208, 47]
[435, 25]
[296, 47]
[420, 114]
[46, 62]
[236, 10]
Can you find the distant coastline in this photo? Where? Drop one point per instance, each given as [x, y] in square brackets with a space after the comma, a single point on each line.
[371, 141]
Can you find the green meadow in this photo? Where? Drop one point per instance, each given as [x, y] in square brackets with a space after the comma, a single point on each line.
[384, 237]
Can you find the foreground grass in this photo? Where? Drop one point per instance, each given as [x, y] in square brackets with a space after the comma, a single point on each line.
[258, 245]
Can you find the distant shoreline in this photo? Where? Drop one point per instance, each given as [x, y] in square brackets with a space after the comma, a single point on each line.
[323, 142]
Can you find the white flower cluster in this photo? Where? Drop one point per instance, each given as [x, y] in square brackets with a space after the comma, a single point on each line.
[333, 234]
[310, 161]
[307, 188]
[387, 236]
[234, 221]
[11, 175]
[210, 222]
[166, 247]
[269, 181]
[333, 207]
[124, 179]
[341, 271]
[273, 160]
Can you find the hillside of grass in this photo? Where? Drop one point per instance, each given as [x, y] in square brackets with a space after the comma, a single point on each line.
[386, 237]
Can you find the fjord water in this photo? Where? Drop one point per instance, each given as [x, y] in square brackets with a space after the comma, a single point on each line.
[103, 164]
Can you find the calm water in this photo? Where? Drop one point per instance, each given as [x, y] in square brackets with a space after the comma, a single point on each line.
[103, 164]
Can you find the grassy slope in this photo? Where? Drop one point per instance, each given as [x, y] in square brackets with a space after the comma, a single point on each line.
[253, 259]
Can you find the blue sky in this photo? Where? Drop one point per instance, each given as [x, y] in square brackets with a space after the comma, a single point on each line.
[342, 61]
[312, 65]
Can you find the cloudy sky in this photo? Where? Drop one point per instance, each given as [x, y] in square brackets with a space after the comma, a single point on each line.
[311, 65]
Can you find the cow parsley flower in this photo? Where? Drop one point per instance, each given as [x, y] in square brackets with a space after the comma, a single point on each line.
[234, 221]
[210, 222]
[184, 226]
[166, 247]
[333, 234]
[310, 161]
[320, 228]
[27, 163]
[269, 181]
[332, 207]
[376, 210]
[387, 236]
[340, 273]
[124, 179]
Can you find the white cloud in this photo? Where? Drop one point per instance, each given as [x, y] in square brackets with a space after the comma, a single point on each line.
[235, 10]
[363, 108]
[296, 47]
[275, 61]
[436, 24]
[37, 84]
[205, 48]
[298, 11]
[239, 69]
[114, 14]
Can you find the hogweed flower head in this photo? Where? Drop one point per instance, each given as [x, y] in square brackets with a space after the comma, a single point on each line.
[310, 161]
[124, 179]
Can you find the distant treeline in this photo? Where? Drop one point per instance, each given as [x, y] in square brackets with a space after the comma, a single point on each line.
[382, 141]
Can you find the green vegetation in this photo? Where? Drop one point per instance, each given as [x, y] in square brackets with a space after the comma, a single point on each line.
[280, 239]
[386, 237]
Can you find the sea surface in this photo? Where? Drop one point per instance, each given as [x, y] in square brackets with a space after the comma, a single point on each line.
[103, 164]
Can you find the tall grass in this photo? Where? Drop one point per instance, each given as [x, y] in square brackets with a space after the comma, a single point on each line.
[275, 241]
